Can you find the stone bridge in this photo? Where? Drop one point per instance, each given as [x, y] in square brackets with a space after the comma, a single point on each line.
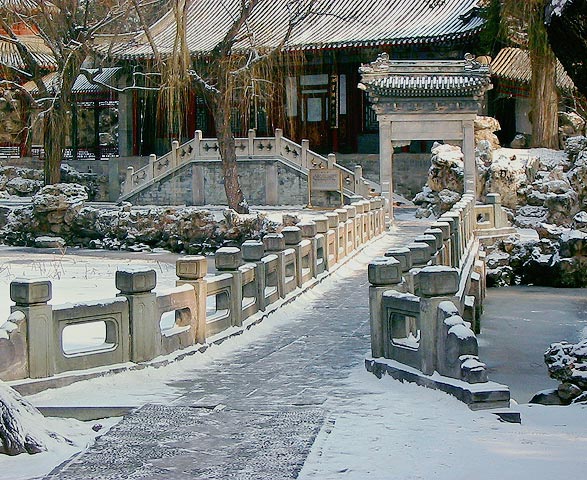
[190, 174]
[141, 325]
[426, 300]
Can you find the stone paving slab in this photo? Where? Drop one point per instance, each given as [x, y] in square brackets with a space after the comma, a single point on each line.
[254, 412]
[200, 443]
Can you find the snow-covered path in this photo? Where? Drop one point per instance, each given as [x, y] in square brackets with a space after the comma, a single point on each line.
[291, 398]
[255, 411]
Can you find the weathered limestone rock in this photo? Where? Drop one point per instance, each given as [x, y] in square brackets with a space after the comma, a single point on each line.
[21, 425]
[447, 169]
[507, 175]
[484, 130]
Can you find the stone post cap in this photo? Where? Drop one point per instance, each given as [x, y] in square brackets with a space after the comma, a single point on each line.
[342, 214]
[309, 229]
[191, 267]
[428, 239]
[332, 219]
[351, 211]
[366, 206]
[444, 227]
[252, 250]
[436, 233]
[321, 223]
[493, 198]
[292, 235]
[420, 253]
[274, 242]
[359, 208]
[384, 271]
[24, 291]
[438, 280]
[403, 255]
[135, 279]
[228, 258]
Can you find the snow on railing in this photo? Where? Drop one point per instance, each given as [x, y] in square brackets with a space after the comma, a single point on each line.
[141, 324]
[278, 146]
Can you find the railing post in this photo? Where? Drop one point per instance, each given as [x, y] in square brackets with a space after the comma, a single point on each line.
[304, 155]
[494, 199]
[358, 174]
[174, 155]
[136, 284]
[293, 237]
[350, 227]
[152, 160]
[437, 284]
[31, 298]
[128, 186]
[275, 243]
[251, 138]
[309, 233]
[384, 274]
[229, 259]
[253, 252]
[322, 242]
[331, 160]
[197, 143]
[278, 136]
[191, 270]
[334, 227]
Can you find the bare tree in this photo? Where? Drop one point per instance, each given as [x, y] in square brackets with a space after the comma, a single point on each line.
[236, 68]
[67, 29]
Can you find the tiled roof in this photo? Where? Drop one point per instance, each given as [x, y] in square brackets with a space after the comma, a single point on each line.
[428, 86]
[82, 85]
[337, 24]
[9, 54]
[424, 78]
[514, 64]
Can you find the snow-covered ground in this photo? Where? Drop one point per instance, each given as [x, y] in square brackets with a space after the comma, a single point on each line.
[379, 429]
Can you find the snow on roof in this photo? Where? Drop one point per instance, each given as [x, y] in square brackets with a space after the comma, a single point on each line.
[9, 54]
[336, 24]
[514, 64]
[82, 85]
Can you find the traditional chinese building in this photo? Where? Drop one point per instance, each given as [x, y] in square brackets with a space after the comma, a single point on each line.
[319, 99]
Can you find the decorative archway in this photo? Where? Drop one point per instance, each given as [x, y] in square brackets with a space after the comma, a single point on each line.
[425, 100]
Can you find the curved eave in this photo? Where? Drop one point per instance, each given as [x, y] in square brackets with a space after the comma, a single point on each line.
[425, 93]
[389, 42]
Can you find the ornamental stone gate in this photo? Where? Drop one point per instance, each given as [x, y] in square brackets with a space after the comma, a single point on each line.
[425, 100]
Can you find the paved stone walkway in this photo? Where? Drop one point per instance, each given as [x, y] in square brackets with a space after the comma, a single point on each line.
[256, 414]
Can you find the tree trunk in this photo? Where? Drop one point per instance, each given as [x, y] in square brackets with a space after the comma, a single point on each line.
[226, 145]
[544, 100]
[54, 143]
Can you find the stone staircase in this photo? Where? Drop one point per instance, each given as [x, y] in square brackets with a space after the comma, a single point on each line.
[272, 156]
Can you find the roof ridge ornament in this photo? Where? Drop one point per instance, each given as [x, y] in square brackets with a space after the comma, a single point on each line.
[381, 64]
[472, 64]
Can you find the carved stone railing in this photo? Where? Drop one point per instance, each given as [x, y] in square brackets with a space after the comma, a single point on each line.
[425, 302]
[206, 149]
[141, 325]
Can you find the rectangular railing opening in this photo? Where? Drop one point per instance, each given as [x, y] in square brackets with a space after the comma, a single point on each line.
[270, 283]
[290, 272]
[175, 321]
[404, 332]
[89, 337]
[217, 306]
[249, 295]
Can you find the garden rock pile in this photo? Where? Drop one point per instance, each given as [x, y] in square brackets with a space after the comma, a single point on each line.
[566, 363]
[58, 216]
[553, 202]
[25, 182]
